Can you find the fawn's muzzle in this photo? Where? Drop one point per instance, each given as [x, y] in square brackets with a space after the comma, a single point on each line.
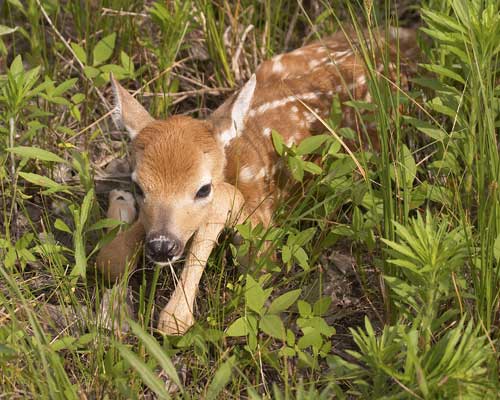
[162, 248]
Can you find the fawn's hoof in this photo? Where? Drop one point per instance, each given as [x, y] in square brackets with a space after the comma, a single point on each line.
[175, 324]
[121, 206]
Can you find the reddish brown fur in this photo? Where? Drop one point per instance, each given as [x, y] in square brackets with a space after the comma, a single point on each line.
[234, 150]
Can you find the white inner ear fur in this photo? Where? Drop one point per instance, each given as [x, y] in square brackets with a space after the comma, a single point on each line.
[240, 109]
[128, 112]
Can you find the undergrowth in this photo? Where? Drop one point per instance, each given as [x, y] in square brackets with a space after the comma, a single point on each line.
[386, 281]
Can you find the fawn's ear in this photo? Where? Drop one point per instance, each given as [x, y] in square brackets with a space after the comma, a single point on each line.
[128, 112]
[239, 111]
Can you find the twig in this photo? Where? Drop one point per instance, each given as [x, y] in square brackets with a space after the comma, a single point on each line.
[121, 13]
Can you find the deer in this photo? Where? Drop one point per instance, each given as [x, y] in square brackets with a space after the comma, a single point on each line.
[200, 176]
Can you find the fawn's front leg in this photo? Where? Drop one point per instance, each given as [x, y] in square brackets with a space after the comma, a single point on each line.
[227, 208]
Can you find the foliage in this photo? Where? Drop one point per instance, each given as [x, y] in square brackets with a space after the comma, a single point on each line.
[419, 214]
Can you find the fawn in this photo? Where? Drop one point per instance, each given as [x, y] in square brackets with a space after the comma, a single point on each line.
[200, 176]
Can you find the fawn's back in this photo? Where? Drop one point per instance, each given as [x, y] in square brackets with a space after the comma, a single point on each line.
[285, 94]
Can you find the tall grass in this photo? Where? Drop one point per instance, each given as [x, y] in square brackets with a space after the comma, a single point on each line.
[420, 234]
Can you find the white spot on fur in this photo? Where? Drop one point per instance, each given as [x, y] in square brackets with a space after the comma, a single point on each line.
[340, 56]
[278, 66]
[133, 176]
[361, 80]
[238, 113]
[246, 174]
[266, 132]
[294, 109]
[290, 141]
[285, 100]
[314, 63]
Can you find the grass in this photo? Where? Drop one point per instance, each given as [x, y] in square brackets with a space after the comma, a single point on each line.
[386, 286]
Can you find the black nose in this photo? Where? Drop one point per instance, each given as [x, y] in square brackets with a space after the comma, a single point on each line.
[162, 248]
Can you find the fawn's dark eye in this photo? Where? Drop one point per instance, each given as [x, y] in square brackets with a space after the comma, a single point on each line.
[137, 190]
[204, 191]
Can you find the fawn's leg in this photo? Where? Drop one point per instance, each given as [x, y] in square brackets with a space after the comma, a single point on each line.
[113, 258]
[227, 208]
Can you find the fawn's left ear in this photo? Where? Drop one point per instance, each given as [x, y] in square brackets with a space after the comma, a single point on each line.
[239, 111]
[128, 112]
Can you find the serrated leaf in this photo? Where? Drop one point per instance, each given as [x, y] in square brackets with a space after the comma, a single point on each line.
[36, 153]
[104, 49]
[284, 301]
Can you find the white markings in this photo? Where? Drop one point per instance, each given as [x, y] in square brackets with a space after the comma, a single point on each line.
[294, 109]
[266, 132]
[246, 174]
[285, 100]
[278, 66]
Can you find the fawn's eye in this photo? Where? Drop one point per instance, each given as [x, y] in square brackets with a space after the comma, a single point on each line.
[137, 190]
[204, 191]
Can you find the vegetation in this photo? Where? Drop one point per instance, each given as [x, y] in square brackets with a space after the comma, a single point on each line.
[387, 278]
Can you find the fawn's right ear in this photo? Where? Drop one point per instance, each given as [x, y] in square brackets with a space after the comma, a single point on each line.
[128, 112]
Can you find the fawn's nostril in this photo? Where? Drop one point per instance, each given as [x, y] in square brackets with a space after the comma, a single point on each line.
[162, 248]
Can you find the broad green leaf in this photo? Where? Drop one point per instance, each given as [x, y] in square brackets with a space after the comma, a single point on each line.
[255, 296]
[322, 305]
[156, 351]
[238, 328]
[443, 71]
[40, 180]
[5, 30]
[61, 226]
[272, 325]
[80, 53]
[278, 142]
[221, 379]
[36, 153]
[284, 301]
[105, 223]
[104, 49]
[147, 375]
[296, 168]
[310, 144]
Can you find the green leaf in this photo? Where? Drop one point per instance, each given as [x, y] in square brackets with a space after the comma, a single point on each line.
[36, 153]
[5, 30]
[221, 379]
[255, 296]
[61, 226]
[296, 167]
[272, 325]
[496, 248]
[43, 181]
[284, 301]
[443, 71]
[104, 49]
[322, 305]
[238, 328]
[310, 144]
[278, 142]
[86, 207]
[105, 223]
[304, 308]
[80, 53]
[156, 351]
[148, 376]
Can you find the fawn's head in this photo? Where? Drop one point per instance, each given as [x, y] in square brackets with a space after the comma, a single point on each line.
[178, 164]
